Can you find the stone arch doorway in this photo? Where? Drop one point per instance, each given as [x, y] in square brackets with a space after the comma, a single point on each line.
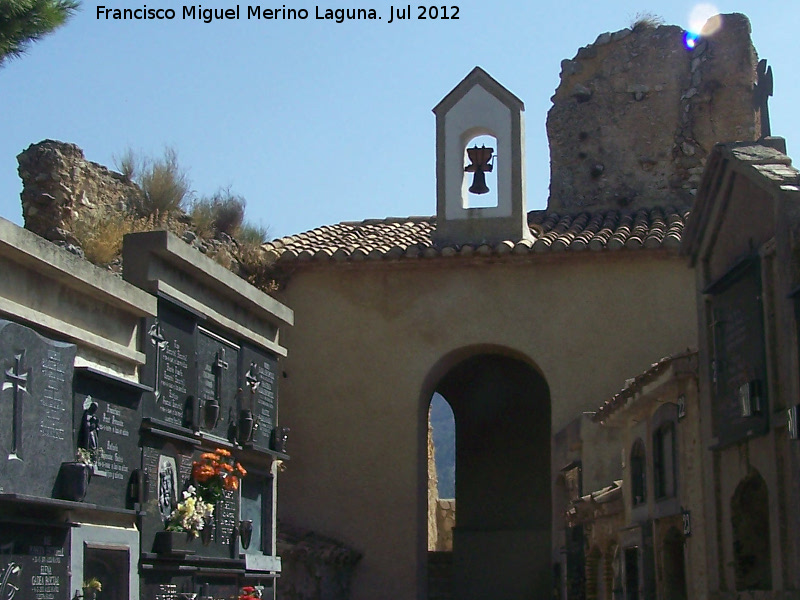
[674, 566]
[502, 538]
[750, 524]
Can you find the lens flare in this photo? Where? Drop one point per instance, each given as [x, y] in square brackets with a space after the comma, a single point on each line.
[704, 19]
[690, 39]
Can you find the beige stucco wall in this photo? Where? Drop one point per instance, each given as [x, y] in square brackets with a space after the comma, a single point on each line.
[370, 343]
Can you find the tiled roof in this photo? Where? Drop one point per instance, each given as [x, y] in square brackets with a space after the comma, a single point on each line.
[634, 385]
[403, 238]
[601, 503]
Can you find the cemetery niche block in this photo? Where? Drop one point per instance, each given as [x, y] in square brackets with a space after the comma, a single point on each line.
[212, 360]
[35, 410]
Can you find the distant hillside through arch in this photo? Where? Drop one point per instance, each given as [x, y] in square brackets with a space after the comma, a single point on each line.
[444, 443]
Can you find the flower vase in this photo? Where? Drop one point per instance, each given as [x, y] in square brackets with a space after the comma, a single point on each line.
[245, 426]
[74, 481]
[245, 533]
[207, 532]
[211, 413]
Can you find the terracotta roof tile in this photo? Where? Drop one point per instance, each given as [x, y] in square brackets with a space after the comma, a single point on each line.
[635, 384]
[411, 237]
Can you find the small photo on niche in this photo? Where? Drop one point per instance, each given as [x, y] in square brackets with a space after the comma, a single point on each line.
[167, 485]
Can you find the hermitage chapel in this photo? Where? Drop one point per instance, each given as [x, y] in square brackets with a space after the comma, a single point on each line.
[623, 366]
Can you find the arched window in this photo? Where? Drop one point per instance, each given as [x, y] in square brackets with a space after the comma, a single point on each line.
[638, 473]
[750, 522]
[664, 472]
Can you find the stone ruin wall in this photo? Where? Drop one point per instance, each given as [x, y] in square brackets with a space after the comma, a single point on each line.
[62, 189]
[637, 113]
[60, 185]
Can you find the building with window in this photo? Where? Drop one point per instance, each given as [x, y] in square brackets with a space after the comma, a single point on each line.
[643, 535]
[742, 241]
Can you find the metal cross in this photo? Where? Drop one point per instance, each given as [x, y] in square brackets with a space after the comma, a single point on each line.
[160, 342]
[221, 366]
[762, 90]
[16, 381]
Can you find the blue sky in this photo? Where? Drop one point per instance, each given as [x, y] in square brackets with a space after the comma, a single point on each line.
[315, 122]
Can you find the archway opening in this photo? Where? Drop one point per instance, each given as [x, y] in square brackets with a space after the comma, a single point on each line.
[442, 475]
[750, 523]
[674, 566]
[502, 540]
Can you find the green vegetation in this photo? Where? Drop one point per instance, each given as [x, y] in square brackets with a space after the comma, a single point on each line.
[646, 20]
[25, 21]
[164, 182]
[167, 202]
[224, 212]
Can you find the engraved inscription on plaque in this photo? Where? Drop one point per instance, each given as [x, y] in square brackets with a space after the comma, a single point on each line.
[170, 348]
[55, 400]
[262, 367]
[35, 409]
[166, 591]
[173, 383]
[33, 562]
[118, 416]
[217, 360]
[226, 518]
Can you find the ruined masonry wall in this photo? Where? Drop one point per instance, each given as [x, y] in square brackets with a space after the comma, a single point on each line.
[637, 113]
[59, 185]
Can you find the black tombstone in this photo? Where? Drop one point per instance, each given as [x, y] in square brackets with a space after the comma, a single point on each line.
[35, 410]
[259, 392]
[34, 561]
[171, 368]
[217, 386]
[107, 416]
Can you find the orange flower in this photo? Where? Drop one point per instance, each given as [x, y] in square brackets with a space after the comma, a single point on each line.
[209, 456]
[223, 452]
[227, 467]
[240, 469]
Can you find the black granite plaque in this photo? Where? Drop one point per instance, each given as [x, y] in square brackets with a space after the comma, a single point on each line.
[171, 369]
[217, 365]
[259, 392]
[217, 588]
[35, 409]
[739, 356]
[169, 586]
[167, 470]
[256, 507]
[165, 586]
[221, 540]
[118, 458]
[33, 562]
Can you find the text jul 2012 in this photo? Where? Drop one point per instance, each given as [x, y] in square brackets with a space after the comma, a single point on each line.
[337, 15]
